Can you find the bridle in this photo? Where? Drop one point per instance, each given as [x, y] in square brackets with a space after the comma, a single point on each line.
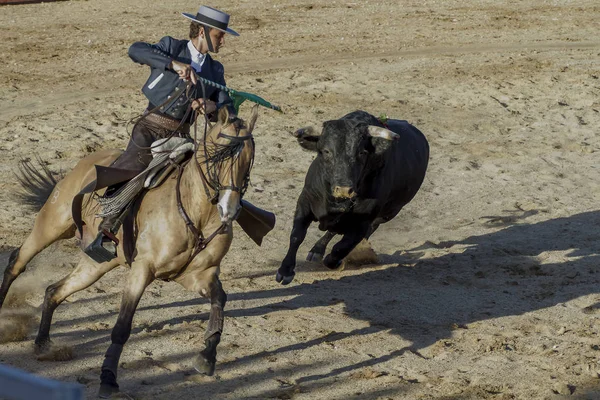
[215, 156]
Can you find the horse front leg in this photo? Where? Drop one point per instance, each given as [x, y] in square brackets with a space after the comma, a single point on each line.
[139, 278]
[206, 360]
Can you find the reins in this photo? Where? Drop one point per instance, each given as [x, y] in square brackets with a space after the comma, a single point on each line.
[200, 242]
[212, 182]
[210, 178]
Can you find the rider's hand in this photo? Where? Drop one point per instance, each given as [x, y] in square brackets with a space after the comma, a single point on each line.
[185, 71]
[205, 108]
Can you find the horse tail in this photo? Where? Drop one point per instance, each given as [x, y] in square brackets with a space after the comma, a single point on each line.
[37, 183]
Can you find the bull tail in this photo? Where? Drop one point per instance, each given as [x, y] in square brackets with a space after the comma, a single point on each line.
[37, 183]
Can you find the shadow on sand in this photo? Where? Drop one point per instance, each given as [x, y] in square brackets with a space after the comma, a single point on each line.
[423, 300]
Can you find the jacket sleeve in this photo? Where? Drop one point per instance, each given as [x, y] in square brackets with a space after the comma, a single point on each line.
[155, 55]
[221, 97]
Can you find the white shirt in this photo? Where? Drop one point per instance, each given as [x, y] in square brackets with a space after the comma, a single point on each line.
[197, 57]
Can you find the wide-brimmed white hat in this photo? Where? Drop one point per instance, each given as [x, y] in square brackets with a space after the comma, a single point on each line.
[212, 18]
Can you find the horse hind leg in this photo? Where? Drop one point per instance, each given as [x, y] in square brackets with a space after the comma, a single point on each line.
[9, 275]
[46, 231]
[82, 277]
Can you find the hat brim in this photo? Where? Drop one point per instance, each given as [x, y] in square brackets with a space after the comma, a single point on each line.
[193, 18]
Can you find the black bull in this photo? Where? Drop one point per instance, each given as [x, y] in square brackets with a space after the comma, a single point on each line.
[363, 175]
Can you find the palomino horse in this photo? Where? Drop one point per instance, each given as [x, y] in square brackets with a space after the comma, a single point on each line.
[167, 246]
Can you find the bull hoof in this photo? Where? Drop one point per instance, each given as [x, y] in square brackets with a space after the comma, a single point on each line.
[284, 280]
[204, 366]
[329, 263]
[314, 257]
[108, 385]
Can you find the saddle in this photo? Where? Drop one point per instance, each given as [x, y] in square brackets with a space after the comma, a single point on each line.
[167, 154]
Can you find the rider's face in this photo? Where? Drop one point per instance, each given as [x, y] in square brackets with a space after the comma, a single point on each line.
[218, 39]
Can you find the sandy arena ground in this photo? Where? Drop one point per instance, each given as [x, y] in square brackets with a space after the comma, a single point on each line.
[487, 285]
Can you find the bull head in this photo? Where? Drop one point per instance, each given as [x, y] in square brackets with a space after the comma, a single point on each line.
[308, 139]
[345, 149]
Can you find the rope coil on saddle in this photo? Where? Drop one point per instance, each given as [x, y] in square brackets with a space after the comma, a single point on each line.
[117, 202]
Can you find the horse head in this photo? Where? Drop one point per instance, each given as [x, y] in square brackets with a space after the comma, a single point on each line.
[228, 156]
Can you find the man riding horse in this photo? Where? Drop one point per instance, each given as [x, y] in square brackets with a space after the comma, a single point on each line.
[183, 226]
[173, 64]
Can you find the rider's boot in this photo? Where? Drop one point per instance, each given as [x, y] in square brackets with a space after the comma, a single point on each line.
[104, 247]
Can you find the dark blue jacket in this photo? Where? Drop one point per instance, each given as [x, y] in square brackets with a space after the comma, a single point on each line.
[164, 83]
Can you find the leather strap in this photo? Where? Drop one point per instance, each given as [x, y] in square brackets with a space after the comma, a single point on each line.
[167, 123]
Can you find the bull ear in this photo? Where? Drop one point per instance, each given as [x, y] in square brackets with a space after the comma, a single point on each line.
[253, 118]
[379, 132]
[307, 138]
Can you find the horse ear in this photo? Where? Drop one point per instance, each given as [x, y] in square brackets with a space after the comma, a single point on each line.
[253, 118]
[223, 115]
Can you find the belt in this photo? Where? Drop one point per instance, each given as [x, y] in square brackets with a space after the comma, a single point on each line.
[165, 122]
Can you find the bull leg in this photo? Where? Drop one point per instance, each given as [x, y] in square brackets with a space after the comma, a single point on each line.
[344, 247]
[318, 251]
[205, 362]
[140, 277]
[372, 229]
[86, 274]
[302, 221]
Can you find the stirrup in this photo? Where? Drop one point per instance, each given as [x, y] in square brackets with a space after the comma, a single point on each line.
[103, 248]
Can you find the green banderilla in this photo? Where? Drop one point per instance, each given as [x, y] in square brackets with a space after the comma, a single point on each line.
[239, 97]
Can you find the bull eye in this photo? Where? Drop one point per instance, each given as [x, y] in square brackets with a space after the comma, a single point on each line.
[326, 152]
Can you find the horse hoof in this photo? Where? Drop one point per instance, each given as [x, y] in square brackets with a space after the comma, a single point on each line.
[107, 390]
[284, 280]
[42, 347]
[314, 257]
[204, 366]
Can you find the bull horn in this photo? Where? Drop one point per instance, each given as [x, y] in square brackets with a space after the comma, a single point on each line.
[379, 132]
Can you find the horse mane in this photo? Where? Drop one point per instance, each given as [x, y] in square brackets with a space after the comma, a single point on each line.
[217, 155]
